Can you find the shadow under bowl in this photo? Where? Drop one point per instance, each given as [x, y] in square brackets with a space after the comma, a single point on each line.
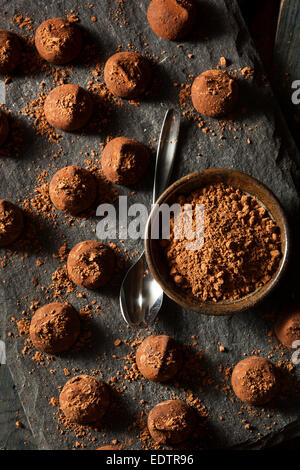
[195, 181]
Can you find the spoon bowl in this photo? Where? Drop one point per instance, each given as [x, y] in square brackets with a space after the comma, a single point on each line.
[141, 297]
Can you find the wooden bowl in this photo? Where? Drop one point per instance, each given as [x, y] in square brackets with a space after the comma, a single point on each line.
[158, 266]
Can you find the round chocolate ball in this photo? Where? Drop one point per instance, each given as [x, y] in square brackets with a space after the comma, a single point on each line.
[124, 161]
[127, 74]
[4, 127]
[287, 327]
[11, 222]
[54, 328]
[91, 264]
[158, 358]
[58, 41]
[10, 51]
[73, 189]
[214, 93]
[68, 107]
[254, 380]
[171, 422]
[84, 399]
[108, 448]
[171, 19]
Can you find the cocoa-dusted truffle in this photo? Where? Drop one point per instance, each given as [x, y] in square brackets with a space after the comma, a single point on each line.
[254, 380]
[108, 448]
[287, 327]
[72, 189]
[91, 264]
[11, 222]
[158, 358]
[4, 128]
[10, 51]
[171, 19]
[84, 399]
[124, 161]
[214, 93]
[68, 107]
[58, 41]
[54, 328]
[171, 422]
[127, 74]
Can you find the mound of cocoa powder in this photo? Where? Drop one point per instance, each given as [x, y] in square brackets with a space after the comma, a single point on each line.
[241, 251]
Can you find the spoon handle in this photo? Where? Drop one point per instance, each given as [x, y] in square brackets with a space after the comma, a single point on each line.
[165, 155]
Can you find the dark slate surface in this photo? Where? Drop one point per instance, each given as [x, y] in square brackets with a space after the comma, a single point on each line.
[271, 157]
[11, 412]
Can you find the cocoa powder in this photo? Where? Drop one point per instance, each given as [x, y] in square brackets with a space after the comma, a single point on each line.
[241, 251]
[39, 207]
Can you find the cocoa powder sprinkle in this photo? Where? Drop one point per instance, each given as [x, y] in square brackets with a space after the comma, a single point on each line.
[241, 251]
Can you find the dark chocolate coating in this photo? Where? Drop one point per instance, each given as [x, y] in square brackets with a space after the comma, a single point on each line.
[254, 380]
[124, 161]
[58, 41]
[84, 399]
[73, 189]
[4, 127]
[127, 74]
[172, 19]
[68, 107]
[11, 222]
[158, 358]
[171, 422]
[54, 328]
[214, 93]
[10, 51]
[91, 264]
[287, 327]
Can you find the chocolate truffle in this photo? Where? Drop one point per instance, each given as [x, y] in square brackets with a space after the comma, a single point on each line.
[84, 399]
[214, 93]
[171, 19]
[108, 448]
[171, 422]
[4, 128]
[287, 327]
[54, 328]
[124, 161]
[254, 380]
[73, 189]
[10, 51]
[127, 75]
[58, 41]
[68, 107]
[158, 358]
[11, 222]
[90, 264]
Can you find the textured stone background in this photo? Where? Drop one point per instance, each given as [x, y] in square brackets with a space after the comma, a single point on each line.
[271, 157]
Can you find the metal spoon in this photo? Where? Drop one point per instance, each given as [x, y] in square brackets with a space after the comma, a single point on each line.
[141, 296]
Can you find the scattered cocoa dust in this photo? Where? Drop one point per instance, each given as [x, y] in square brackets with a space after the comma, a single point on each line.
[193, 376]
[35, 110]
